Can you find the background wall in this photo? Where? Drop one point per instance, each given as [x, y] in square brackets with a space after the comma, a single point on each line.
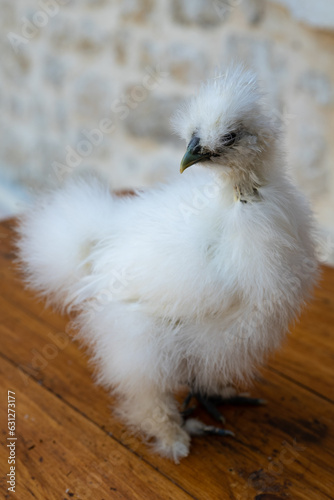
[92, 83]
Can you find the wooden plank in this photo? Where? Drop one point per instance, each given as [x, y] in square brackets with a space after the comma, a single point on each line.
[61, 454]
[73, 382]
[308, 352]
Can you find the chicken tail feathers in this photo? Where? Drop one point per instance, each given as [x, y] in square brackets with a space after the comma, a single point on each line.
[56, 234]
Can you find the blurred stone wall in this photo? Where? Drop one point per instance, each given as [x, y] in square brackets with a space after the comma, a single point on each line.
[93, 83]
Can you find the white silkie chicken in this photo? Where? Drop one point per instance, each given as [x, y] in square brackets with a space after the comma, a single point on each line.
[191, 283]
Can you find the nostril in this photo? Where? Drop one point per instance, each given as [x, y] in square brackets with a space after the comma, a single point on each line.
[194, 145]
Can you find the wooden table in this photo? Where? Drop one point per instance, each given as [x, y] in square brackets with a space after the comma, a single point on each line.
[69, 445]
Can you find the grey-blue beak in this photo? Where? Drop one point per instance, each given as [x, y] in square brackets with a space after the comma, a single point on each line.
[193, 154]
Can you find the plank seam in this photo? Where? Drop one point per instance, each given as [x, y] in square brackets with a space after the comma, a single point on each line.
[300, 384]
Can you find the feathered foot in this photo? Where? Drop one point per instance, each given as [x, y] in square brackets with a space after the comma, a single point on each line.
[197, 428]
[154, 413]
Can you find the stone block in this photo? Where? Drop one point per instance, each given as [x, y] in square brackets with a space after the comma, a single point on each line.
[201, 12]
[151, 119]
[319, 14]
[54, 70]
[136, 10]
[91, 97]
[254, 10]
[183, 61]
[318, 85]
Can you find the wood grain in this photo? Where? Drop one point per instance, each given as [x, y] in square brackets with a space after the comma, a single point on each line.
[70, 442]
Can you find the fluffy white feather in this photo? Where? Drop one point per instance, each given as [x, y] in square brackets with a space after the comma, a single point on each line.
[191, 283]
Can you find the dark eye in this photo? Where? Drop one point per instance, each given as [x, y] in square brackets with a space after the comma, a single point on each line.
[229, 139]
